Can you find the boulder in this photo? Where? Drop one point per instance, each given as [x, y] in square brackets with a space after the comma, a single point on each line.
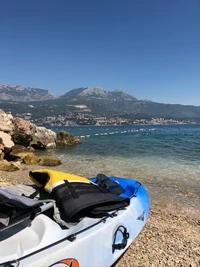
[16, 163]
[19, 137]
[6, 124]
[31, 159]
[27, 134]
[6, 142]
[50, 161]
[19, 152]
[66, 139]
[23, 132]
[43, 138]
[8, 166]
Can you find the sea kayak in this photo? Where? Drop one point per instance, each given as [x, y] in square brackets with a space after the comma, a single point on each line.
[40, 240]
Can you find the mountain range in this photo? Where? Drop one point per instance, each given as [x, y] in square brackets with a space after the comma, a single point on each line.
[95, 101]
[22, 93]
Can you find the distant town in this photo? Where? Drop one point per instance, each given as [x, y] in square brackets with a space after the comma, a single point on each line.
[74, 119]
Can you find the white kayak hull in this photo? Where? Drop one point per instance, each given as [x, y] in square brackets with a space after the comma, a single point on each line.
[89, 243]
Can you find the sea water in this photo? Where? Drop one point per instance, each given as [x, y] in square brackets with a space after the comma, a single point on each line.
[156, 151]
[156, 155]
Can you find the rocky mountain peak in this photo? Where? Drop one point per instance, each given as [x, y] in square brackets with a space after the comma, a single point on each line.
[119, 90]
[23, 93]
[96, 91]
[89, 92]
[120, 93]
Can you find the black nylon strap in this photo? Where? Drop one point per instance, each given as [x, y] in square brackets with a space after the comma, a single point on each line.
[125, 235]
[34, 194]
[72, 190]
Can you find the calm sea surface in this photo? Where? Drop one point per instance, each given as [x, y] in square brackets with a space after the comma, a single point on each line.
[162, 152]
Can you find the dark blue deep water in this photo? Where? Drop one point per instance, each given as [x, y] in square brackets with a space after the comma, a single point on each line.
[178, 142]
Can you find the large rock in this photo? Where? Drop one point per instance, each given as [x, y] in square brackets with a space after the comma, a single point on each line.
[66, 139]
[8, 166]
[19, 137]
[6, 124]
[19, 152]
[50, 161]
[27, 134]
[31, 159]
[23, 132]
[6, 142]
[43, 138]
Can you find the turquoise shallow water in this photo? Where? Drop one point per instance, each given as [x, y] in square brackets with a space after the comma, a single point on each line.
[163, 151]
[165, 158]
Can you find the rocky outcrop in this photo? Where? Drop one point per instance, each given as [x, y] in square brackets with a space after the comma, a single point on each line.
[23, 132]
[66, 139]
[5, 142]
[19, 152]
[27, 134]
[19, 139]
[43, 138]
[5, 139]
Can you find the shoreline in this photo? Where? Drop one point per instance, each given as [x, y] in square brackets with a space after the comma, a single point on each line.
[171, 236]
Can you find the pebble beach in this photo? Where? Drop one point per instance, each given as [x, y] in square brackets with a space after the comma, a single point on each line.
[171, 236]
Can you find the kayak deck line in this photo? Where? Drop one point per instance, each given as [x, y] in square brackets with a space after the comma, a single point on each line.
[70, 238]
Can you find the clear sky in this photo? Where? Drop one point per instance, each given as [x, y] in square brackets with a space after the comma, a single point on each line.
[149, 48]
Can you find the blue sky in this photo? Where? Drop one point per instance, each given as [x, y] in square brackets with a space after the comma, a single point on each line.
[149, 48]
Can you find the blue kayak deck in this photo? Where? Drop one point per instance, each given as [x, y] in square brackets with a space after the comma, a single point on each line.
[130, 186]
